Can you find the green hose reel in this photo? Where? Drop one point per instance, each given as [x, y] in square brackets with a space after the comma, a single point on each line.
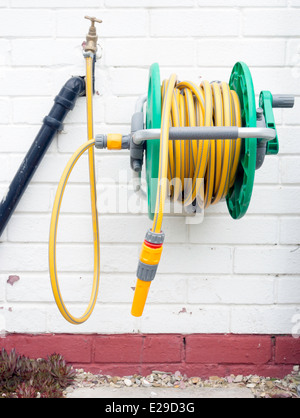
[239, 196]
[153, 121]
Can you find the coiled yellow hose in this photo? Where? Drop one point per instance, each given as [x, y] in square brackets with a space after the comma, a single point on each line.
[89, 145]
[209, 163]
[215, 161]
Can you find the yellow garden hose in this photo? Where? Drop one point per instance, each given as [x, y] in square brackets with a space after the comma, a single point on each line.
[89, 145]
[214, 161]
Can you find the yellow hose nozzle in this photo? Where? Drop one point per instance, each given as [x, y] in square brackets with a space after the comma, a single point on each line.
[147, 267]
[140, 297]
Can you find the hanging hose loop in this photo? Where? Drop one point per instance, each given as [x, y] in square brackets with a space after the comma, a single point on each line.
[88, 146]
[52, 244]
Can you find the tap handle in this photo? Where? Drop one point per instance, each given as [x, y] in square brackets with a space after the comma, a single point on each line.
[93, 20]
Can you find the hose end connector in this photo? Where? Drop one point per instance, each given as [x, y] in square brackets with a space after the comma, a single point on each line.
[112, 141]
[146, 271]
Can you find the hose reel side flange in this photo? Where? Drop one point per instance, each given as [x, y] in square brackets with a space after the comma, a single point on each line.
[153, 121]
[239, 196]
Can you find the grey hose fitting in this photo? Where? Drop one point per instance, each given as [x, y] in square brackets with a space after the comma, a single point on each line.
[101, 141]
[136, 151]
[146, 272]
[154, 238]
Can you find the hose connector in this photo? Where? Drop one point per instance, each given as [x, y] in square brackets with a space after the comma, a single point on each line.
[148, 263]
[112, 141]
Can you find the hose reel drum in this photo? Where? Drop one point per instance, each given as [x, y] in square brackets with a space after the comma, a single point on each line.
[253, 149]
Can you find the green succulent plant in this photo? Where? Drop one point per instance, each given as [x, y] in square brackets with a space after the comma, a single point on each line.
[7, 364]
[62, 373]
[22, 377]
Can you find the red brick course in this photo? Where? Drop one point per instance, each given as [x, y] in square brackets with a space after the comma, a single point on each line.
[232, 349]
[166, 348]
[287, 350]
[118, 348]
[201, 355]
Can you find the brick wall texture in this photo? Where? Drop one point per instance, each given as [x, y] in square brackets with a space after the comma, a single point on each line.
[217, 277]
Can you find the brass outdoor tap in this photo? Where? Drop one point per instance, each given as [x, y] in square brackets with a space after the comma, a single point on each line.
[91, 37]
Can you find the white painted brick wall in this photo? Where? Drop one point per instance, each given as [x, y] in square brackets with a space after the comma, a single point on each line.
[230, 276]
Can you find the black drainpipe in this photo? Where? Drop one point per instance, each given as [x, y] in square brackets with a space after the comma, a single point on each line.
[64, 102]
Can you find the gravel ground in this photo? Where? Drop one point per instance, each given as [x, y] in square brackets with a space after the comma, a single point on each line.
[261, 387]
